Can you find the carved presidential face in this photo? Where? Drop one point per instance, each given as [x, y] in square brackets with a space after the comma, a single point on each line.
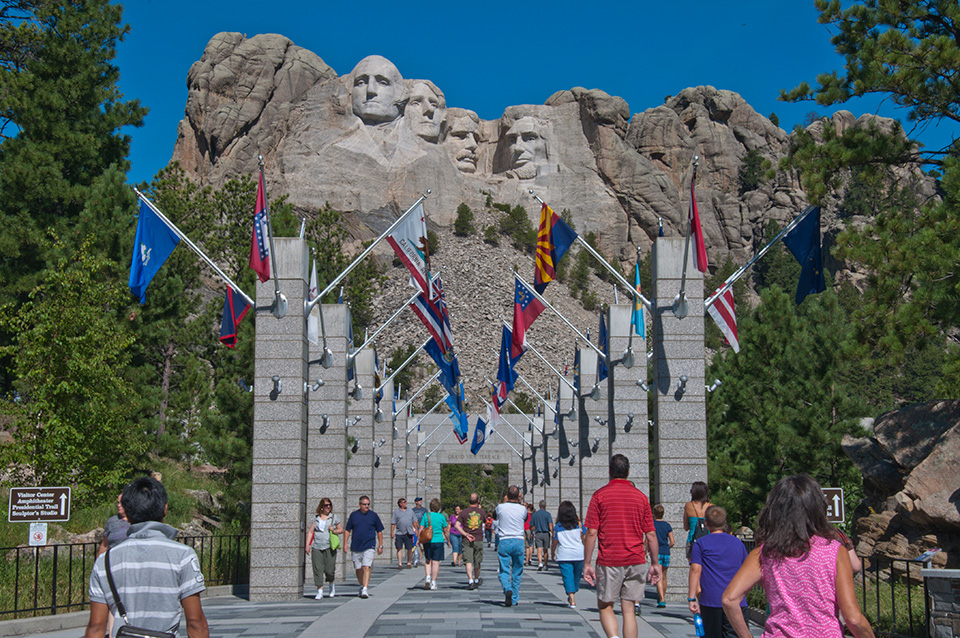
[377, 90]
[526, 146]
[425, 111]
[463, 139]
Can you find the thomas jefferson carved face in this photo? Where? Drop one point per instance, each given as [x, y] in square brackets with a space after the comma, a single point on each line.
[526, 146]
[463, 139]
[425, 111]
[377, 91]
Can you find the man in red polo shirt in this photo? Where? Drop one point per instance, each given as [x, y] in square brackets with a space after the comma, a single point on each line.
[618, 518]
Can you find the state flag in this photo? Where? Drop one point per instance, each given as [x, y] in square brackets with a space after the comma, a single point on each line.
[700, 253]
[152, 246]
[554, 237]
[260, 244]
[409, 242]
[526, 308]
[723, 313]
[479, 436]
[234, 308]
[639, 327]
[803, 240]
[313, 321]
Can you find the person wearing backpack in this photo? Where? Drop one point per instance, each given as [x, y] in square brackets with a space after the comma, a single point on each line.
[693, 513]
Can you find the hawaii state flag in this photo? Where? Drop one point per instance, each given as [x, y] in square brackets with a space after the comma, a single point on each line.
[554, 237]
[700, 254]
[234, 308]
[151, 247]
[724, 315]
[260, 245]
[526, 308]
[409, 241]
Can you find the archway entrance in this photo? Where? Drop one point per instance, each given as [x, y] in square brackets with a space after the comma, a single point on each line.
[458, 481]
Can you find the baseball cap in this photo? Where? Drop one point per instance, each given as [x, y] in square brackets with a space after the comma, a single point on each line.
[417, 500]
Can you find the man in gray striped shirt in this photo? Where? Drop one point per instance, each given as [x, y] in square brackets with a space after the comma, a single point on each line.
[155, 576]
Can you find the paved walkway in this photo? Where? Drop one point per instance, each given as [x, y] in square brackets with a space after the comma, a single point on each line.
[399, 607]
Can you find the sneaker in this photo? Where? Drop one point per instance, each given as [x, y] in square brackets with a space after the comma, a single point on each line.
[478, 582]
[319, 594]
[661, 604]
[636, 608]
[433, 585]
[471, 586]
[572, 606]
[363, 592]
[508, 599]
[416, 561]
[333, 590]
[426, 584]
[540, 567]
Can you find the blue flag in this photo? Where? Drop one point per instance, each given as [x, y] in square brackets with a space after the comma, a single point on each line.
[803, 240]
[234, 308]
[637, 319]
[153, 244]
[461, 426]
[449, 368]
[602, 361]
[576, 371]
[505, 373]
[479, 436]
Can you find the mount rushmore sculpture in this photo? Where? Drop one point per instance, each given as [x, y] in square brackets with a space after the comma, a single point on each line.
[368, 143]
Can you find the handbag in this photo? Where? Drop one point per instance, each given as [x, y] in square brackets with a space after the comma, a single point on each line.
[426, 534]
[334, 541]
[128, 630]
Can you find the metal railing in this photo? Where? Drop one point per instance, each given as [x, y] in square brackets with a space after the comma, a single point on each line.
[41, 581]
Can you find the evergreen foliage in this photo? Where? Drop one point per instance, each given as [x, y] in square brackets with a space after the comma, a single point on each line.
[754, 171]
[463, 224]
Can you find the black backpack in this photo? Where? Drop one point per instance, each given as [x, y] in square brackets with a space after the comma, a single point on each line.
[700, 530]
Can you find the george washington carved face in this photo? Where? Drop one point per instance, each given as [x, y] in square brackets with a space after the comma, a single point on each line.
[377, 91]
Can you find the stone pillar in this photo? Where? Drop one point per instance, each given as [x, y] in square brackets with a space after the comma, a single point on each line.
[629, 435]
[594, 454]
[327, 438]
[944, 588]
[360, 433]
[277, 517]
[569, 478]
[680, 428]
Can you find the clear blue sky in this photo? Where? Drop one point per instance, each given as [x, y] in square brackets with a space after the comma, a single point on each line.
[487, 56]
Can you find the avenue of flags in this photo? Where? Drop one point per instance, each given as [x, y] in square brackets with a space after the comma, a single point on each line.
[157, 237]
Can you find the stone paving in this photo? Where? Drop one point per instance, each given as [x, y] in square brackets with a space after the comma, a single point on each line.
[399, 607]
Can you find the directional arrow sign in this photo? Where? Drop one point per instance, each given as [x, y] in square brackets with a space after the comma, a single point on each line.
[835, 510]
[39, 504]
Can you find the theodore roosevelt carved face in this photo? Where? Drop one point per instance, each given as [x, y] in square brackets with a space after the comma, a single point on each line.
[425, 110]
[463, 139]
[377, 91]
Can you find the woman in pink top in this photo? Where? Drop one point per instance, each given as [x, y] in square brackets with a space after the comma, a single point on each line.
[805, 572]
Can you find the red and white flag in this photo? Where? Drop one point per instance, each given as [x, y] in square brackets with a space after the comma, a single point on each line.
[700, 253]
[409, 241]
[260, 246]
[723, 314]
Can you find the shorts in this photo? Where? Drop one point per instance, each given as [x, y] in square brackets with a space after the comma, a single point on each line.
[433, 551]
[363, 559]
[570, 572]
[473, 550]
[664, 560]
[528, 538]
[621, 583]
[456, 543]
[542, 539]
[403, 541]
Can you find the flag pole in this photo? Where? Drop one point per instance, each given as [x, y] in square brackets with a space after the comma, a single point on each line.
[743, 269]
[417, 393]
[613, 271]
[386, 323]
[403, 365]
[438, 444]
[426, 414]
[194, 248]
[519, 411]
[279, 307]
[680, 305]
[546, 303]
[333, 284]
[542, 358]
[504, 439]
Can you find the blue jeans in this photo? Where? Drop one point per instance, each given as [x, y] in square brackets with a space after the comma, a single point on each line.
[570, 572]
[510, 555]
[456, 543]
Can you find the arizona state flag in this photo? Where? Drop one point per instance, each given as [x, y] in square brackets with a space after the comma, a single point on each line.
[554, 237]
[234, 308]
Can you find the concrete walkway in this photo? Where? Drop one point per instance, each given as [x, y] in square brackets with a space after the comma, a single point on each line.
[399, 607]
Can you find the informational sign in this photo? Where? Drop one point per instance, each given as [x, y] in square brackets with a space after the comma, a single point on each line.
[39, 504]
[38, 534]
[835, 511]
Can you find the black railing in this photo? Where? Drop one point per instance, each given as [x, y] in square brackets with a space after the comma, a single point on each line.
[40, 581]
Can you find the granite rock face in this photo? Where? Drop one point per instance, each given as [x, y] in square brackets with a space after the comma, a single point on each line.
[369, 148]
[910, 475]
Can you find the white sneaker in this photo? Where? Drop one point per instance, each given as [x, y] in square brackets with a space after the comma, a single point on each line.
[319, 594]
[433, 584]
[426, 583]
[333, 590]
[363, 592]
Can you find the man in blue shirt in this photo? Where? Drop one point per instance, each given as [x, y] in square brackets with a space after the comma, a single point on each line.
[542, 524]
[714, 560]
[367, 531]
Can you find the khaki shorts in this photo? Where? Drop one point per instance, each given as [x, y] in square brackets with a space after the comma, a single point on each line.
[621, 583]
[364, 558]
[473, 550]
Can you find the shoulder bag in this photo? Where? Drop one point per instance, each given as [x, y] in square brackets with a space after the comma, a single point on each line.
[426, 534]
[128, 630]
[334, 538]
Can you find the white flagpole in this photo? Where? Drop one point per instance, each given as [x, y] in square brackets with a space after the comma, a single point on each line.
[603, 262]
[333, 284]
[743, 269]
[417, 393]
[402, 365]
[546, 303]
[194, 247]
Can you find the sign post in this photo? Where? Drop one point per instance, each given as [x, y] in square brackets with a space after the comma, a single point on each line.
[39, 505]
[835, 510]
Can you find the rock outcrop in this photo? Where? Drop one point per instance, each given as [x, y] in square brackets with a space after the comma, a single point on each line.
[911, 481]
